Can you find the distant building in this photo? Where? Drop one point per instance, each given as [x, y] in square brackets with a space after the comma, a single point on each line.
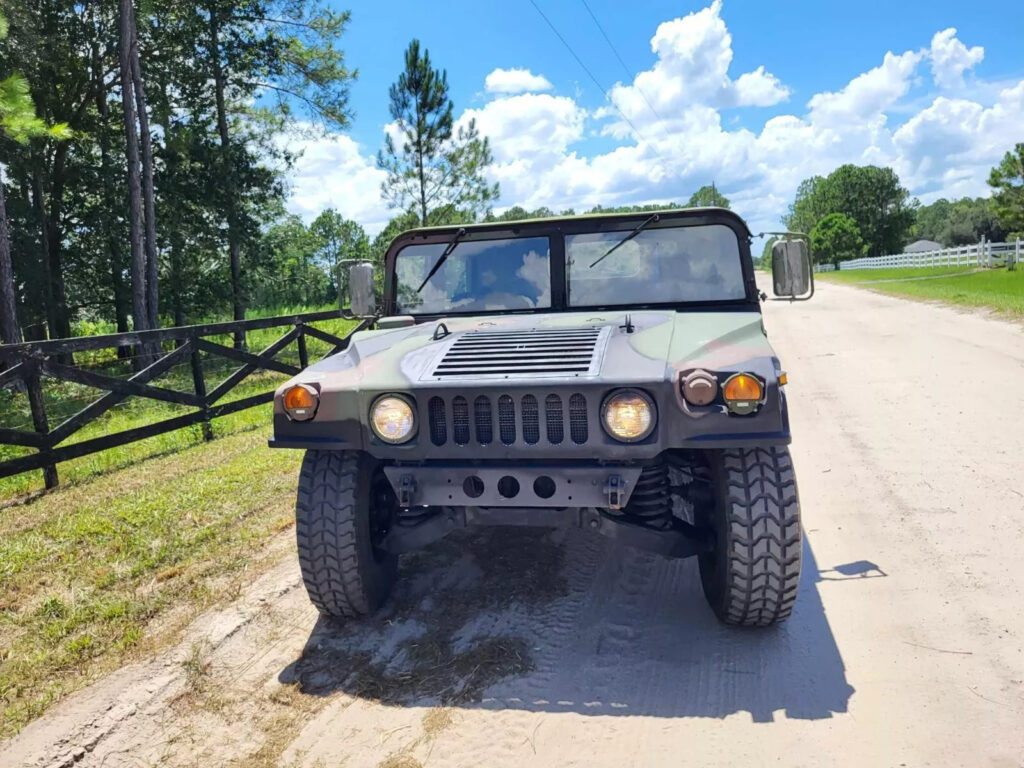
[920, 246]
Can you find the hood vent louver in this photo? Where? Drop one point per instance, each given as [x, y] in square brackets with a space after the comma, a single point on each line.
[531, 352]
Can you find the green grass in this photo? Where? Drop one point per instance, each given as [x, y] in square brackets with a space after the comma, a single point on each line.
[63, 399]
[96, 574]
[996, 289]
[138, 539]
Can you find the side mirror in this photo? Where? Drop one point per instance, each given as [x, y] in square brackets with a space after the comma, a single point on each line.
[791, 269]
[360, 286]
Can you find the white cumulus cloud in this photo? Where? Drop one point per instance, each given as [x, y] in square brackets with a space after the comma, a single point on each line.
[515, 81]
[951, 58]
[331, 172]
[694, 56]
[941, 142]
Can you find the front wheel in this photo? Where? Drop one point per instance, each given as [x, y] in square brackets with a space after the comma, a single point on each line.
[752, 575]
[340, 516]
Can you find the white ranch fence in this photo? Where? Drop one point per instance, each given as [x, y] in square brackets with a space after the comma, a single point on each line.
[981, 254]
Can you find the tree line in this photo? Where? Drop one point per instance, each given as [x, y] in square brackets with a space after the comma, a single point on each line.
[145, 158]
[159, 159]
[864, 211]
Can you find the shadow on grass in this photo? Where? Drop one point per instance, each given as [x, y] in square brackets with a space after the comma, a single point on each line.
[561, 621]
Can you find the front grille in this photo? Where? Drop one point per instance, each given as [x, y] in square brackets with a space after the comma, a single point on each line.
[518, 419]
[578, 419]
[460, 420]
[438, 422]
[553, 418]
[483, 420]
[506, 420]
[531, 420]
[569, 351]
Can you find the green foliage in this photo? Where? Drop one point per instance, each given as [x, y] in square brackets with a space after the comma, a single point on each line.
[278, 70]
[18, 118]
[706, 197]
[433, 170]
[337, 239]
[870, 196]
[835, 238]
[648, 208]
[1007, 182]
[960, 222]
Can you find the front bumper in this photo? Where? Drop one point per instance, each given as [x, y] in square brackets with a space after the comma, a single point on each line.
[513, 485]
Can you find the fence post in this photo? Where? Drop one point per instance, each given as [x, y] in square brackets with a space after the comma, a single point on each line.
[38, 407]
[303, 354]
[199, 384]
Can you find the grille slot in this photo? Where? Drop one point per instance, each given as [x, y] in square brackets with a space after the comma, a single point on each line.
[465, 421]
[483, 420]
[533, 351]
[506, 420]
[553, 419]
[438, 421]
[578, 419]
[460, 420]
[531, 420]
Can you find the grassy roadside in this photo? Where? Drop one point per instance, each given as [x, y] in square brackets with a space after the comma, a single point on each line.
[63, 399]
[96, 574]
[996, 289]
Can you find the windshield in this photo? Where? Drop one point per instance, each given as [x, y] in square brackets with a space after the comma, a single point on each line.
[655, 266]
[479, 276]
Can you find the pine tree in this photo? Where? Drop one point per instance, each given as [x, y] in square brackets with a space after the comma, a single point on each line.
[18, 121]
[434, 171]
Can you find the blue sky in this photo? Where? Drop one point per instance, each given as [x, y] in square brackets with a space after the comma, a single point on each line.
[755, 96]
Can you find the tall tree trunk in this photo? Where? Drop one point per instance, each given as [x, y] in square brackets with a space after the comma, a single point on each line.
[234, 246]
[55, 242]
[177, 305]
[10, 332]
[39, 207]
[423, 181]
[152, 266]
[140, 313]
[115, 256]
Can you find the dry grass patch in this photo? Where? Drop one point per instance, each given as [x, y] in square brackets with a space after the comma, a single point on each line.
[437, 720]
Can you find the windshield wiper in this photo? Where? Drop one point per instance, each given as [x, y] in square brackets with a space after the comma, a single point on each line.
[444, 255]
[649, 220]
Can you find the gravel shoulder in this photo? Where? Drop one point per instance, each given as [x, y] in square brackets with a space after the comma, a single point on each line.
[518, 647]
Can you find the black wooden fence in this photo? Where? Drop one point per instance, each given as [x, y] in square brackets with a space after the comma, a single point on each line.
[33, 362]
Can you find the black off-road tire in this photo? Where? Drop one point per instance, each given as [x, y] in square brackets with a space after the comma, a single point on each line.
[751, 577]
[345, 575]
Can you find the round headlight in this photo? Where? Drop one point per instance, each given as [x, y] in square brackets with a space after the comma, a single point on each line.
[392, 419]
[628, 415]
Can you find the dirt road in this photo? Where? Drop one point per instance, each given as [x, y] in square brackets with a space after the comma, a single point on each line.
[558, 649]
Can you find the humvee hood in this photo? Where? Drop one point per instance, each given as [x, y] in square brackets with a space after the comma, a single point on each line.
[628, 347]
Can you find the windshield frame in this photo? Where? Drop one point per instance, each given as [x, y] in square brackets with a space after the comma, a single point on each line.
[556, 229]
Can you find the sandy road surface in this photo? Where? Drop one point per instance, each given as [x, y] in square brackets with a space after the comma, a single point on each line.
[906, 646]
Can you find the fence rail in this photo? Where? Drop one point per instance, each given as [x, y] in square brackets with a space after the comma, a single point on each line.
[982, 254]
[25, 366]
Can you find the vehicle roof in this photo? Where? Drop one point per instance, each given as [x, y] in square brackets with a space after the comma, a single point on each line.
[548, 221]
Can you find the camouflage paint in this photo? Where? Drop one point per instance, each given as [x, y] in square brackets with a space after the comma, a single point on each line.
[664, 345]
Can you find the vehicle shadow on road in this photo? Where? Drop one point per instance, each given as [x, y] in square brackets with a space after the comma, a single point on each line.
[564, 621]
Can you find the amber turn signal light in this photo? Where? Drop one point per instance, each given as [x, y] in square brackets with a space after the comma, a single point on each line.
[742, 393]
[300, 402]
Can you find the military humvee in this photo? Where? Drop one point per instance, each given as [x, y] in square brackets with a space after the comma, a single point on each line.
[610, 372]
